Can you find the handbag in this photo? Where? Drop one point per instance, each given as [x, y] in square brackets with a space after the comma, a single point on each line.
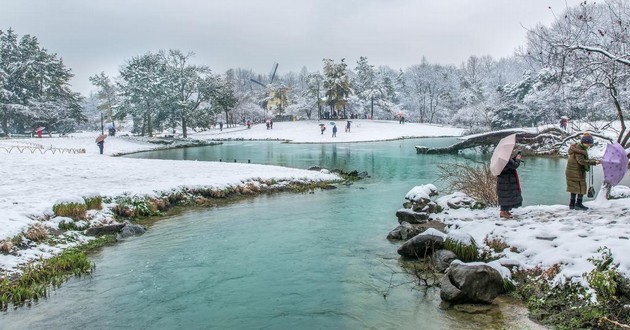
[591, 191]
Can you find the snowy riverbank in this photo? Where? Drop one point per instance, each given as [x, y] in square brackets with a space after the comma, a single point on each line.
[541, 235]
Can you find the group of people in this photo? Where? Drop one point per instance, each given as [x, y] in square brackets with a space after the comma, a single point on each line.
[322, 128]
[578, 164]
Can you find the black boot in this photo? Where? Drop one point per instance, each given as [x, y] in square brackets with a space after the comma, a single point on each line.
[579, 206]
[572, 201]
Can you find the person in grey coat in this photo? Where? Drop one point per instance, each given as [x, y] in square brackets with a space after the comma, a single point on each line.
[509, 187]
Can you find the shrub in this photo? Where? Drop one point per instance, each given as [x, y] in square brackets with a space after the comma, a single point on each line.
[570, 305]
[70, 210]
[475, 181]
[134, 206]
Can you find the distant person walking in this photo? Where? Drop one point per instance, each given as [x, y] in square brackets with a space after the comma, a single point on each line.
[221, 126]
[577, 166]
[322, 128]
[509, 187]
[334, 130]
[564, 121]
[348, 126]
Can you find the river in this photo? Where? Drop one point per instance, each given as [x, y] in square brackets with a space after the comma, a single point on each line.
[284, 261]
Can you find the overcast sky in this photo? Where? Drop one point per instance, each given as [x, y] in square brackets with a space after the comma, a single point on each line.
[93, 36]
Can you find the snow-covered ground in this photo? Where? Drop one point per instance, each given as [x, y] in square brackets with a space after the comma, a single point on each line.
[32, 182]
[309, 131]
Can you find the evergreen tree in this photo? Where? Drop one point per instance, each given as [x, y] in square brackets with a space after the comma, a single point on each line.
[35, 87]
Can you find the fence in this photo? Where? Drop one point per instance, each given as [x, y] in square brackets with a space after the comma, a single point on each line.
[42, 150]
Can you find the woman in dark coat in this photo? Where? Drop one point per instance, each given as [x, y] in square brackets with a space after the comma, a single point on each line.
[577, 166]
[509, 187]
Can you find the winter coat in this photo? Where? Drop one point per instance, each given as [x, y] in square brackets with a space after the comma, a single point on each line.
[508, 185]
[576, 172]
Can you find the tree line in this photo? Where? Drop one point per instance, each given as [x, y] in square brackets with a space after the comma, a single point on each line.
[577, 67]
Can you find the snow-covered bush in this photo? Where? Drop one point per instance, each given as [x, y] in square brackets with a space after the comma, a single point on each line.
[462, 244]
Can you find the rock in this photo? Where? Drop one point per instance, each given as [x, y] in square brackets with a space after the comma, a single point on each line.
[406, 231]
[131, 229]
[104, 230]
[471, 283]
[458, 200]
[421, 245]
[411, 216]
[442, 259]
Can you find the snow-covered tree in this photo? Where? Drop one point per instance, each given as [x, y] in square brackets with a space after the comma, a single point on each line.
[336, 85]
[143, 81]
[430, 90]
[106, 95]
[223, 97]
[189, 86]
[35, 87]
[587, 47]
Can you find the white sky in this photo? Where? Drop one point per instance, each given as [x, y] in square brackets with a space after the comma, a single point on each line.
[95, 36]
[33, 182]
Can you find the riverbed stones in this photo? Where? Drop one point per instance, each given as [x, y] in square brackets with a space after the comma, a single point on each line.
[471, 283]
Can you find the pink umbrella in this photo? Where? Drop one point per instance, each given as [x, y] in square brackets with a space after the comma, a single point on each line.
[100, 138]
[614, 163]
[40, 128]
[502, 154]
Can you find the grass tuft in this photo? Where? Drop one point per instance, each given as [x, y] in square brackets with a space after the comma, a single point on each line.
[76, 211]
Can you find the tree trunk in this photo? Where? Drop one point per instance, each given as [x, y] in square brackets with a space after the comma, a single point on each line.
[184, 134]
[5, 125]
[149, 128]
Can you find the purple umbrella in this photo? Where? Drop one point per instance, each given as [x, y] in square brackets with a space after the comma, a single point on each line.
[614, 163]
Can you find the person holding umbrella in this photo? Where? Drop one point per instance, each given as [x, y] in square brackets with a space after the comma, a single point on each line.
[577, 166]
[100, 142]
[509, 187]
[504, 166]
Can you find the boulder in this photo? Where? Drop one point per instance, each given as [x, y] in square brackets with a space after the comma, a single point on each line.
[422, 244]
[406, 231]
[104, 230]
[411, 217]
[441, 259]
[471, 283]
[131, 229]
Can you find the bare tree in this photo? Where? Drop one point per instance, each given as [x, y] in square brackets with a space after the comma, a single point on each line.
[589, 48]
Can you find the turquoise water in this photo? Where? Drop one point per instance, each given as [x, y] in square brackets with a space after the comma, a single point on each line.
[285, 261]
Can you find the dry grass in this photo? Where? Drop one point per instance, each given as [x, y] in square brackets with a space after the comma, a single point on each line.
[37, 233]
[6, 246]
[475, 180]
[77, 211]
